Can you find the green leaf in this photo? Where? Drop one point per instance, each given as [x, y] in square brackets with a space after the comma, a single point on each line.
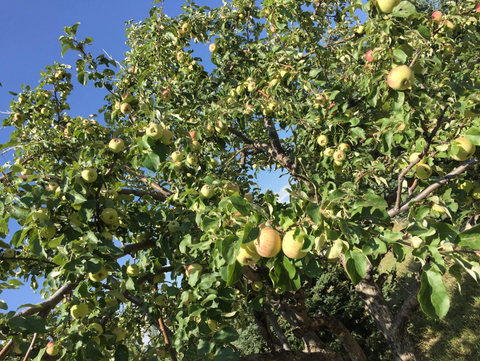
[3, 305]
[400, 56]
[398, 251]
[234, 273]
[470, 237]
[121, 353]
[227, 354]
[424, 31]
[240, 204]
[473, 135]
[404, 9]
[224, 335]
[92, 350]
[151, 161]
[356, 265]
[313, 211]
[433, 296]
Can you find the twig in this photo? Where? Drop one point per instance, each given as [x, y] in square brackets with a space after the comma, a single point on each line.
[34, 339]
[171, 351]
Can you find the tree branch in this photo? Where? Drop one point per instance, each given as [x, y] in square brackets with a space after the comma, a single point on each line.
[276, 327]
[30, 348]
[406, 311]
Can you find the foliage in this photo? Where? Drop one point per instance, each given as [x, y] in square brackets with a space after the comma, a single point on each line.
[283, 75]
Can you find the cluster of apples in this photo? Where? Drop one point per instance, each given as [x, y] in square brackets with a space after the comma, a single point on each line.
[339, 155]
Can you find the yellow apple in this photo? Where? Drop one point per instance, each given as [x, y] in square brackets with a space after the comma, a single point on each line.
[386, 6]
[133, 270]
[339, 156]
[268, 243]
[89, 175]
[465, 149]
[126, 108]
[466, 186]
[414, 156]
[116, 145]
[167, 137]
[98, 276]
[97, 328]
[193, 268]
[51, 348]
[248, 254]
[476, 192]
[109, 216]
[120, 333]
[40, 215]
[154, 131]
[248, 197]
[231, 189]
[79, 311]
[423, 171]
[177, 156]
[207, 191]
[209, 130]
[257, 286]
[292, 246]
[401, 78]
[322, 140]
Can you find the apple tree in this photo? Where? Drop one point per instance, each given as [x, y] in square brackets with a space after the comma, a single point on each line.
[146, 228]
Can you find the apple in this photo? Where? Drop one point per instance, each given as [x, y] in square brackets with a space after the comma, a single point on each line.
[89, 175]
[322, 140]
[220, 127]
[476, 192]
[450, 25]
[166, 94]
[248, 254]
[177, 156]
[51, 348]
[321, 99]
[177, 167]
[401, 78]
[448, 49]
[154, 131]
[212, 47]
[173, 226]
[52, 186]
[465, 149]
[160, 300]
[107, 235]
[116, 145]
[209, 130]
[369, 56]
[360, 29]
[167, 137]
[40, 215]
[336, 249]
[386, 6]
[126, 108]
[97, 328]
[423, 171]
[207, 191]
[437, 17]
[79, 311]
[17, 117]
[109, 216]
[48, 232]
[120, 333]
[268, 243]
[192, 159]
[250, 109]
[257, 286]
[447, 246]
[161, 353]
[111, 301]
[9, 253]
[439, 209]
[194, 267]
[196, 146]
[345, 147]
[329, 152]
[159, 278]
[140, 237]
[98, 276]
[193, 134]
[248, 197]
[133, 270]
[414, 156]
[291, 246]
[339, 156]
[231, 189]
[466, 186]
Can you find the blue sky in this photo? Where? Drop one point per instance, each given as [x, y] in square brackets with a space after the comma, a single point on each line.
[29, 42]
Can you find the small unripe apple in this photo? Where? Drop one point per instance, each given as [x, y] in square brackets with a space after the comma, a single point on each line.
[209, 130]
[369, 56]
[437, 17]
[339, 155]
[40, 215]
[154, 131]
[48, 232]
[345, 147]
[79, 311]
[17, 117]
[336, 249]
[116, 145]
[194, 267]
[193, 135]
[177, 156]
[423, 171]
[220, 127]
[207, 191]
[192, 159]
[52, 186]
[465, 149]
[268, 243]
[231, 189]
[98, 276]
[51, 348]
[466, 186]
[133, 270]
[322, 140]
[212, 47]
[292, 246]
[120, 333]
[9, 253]
[386, 6]
[97, 328]
[89, 175]
[159, 278]
[248, 197]
[109, 216]
[126, 108]
[248, 254]
[167, 137]
[414, 156]
[160, 300]
[401, 78]
[173, 226]
[196, 146]
[476, 192]
[250, 109]
[450, 25]
[329, 152]
[257, 286]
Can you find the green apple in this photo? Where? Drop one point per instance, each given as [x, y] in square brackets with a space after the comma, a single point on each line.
[51, 348]
[339, 156]
[322, 140]
[401, 78]
[207, 191]
[167, 137]
[40, 215]
[447, 246]
[335, 251]
[160, 300]
[248, 197]
[414, 156]
[141, 237]
[248, 254]
[89, 175]
[52, 186]
[173, 226]
[161, 353]
[196, 146]
[120, 333]
[386, 6]
[116, 145]
[133, 270]
[97, 328]
[111, 301]
[329, 152]
[154, 131]
[126, 108]
[257, 286]
[231, 189]
[476, 192]
[107, 235]
[192, 159]
[48, 232]
[466, 186]
[177, 156]
[193, 268]
[209, 130]
[268, 243]
[9, 253]
[79, 311]
[220, 127]
[464, 151]
[98, 276]
[109, 216]
[423, 171]
[292, 246]
[345, 147]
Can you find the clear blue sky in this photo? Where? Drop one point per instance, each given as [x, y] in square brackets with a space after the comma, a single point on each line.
[29, 42]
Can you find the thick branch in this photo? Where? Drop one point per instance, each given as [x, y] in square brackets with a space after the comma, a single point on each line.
[457, 171]
[409, 306]
[171, 351]
[272, 343]
[276, 327]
